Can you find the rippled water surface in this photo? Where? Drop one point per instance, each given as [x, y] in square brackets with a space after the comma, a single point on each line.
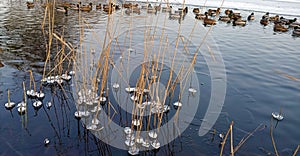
[260, 65]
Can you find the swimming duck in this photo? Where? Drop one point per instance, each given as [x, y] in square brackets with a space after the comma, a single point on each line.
[274, 18]
[133, 10]
[76, 7]
[158, 8]
[251, 16]
[280, 27]
[239, 22]
[98, 6]
[294, 24]
[227, 11]
[183, 10]
[196, 10]
[234, 15]
[264, 21]
[296, 31]
[30, 5]
[265, 16]
[87, 8]
[208, 21]
[62, 9]
[200, 16]
[287, 21]
[108, 8]
[212, 12]
[175, 15]
[224, 18]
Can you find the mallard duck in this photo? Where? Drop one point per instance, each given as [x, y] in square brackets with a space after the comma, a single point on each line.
[87, 8]
[264, 21]
[200, 16]
[76, 7]
[183, 10]
[224, 18]
[30, 5]
[175, 15]
[98, 6]
[287, 21]
[251, 16]
[239, 22]
[212, 12]
[227, 11]
[294, 24]
[62, 9]
[296, 31]
[274, 18]
[196, 10]
[158, 8]
[265, 16]
[234, 15]
[108, 8]
[133, 10]
[280, 27]
[208, 21]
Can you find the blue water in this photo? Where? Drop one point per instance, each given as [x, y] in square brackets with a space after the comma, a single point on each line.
[254, 56]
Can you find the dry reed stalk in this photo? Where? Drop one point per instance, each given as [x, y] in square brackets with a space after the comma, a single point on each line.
[231, 141]
[296, 150]
[245, 138]
[25, 101]
[272, 137]
[225, 138]
[8, 97]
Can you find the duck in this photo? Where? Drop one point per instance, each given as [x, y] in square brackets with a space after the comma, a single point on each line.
[175, 15]
[274, 18]
[287, 21]
[196, 10]
[158, 8]
[108, 8]
[264, 21]
[280, 28]
[98, 6]
[296, 31]
[76, 7]
[133, 10]
[183, 10]
[200, 16]
[294, 24]
[265, 16]
[87, 8]
[239, 22]
[30, 5]
[212, 12]
[62, 9]
[208, 21]
[224, 18]
[251, 16]
[234, 15]
[227, 11]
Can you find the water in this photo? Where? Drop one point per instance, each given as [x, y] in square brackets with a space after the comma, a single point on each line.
[254, 57]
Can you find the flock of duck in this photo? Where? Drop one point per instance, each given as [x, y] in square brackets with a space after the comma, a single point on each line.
[281, 24]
